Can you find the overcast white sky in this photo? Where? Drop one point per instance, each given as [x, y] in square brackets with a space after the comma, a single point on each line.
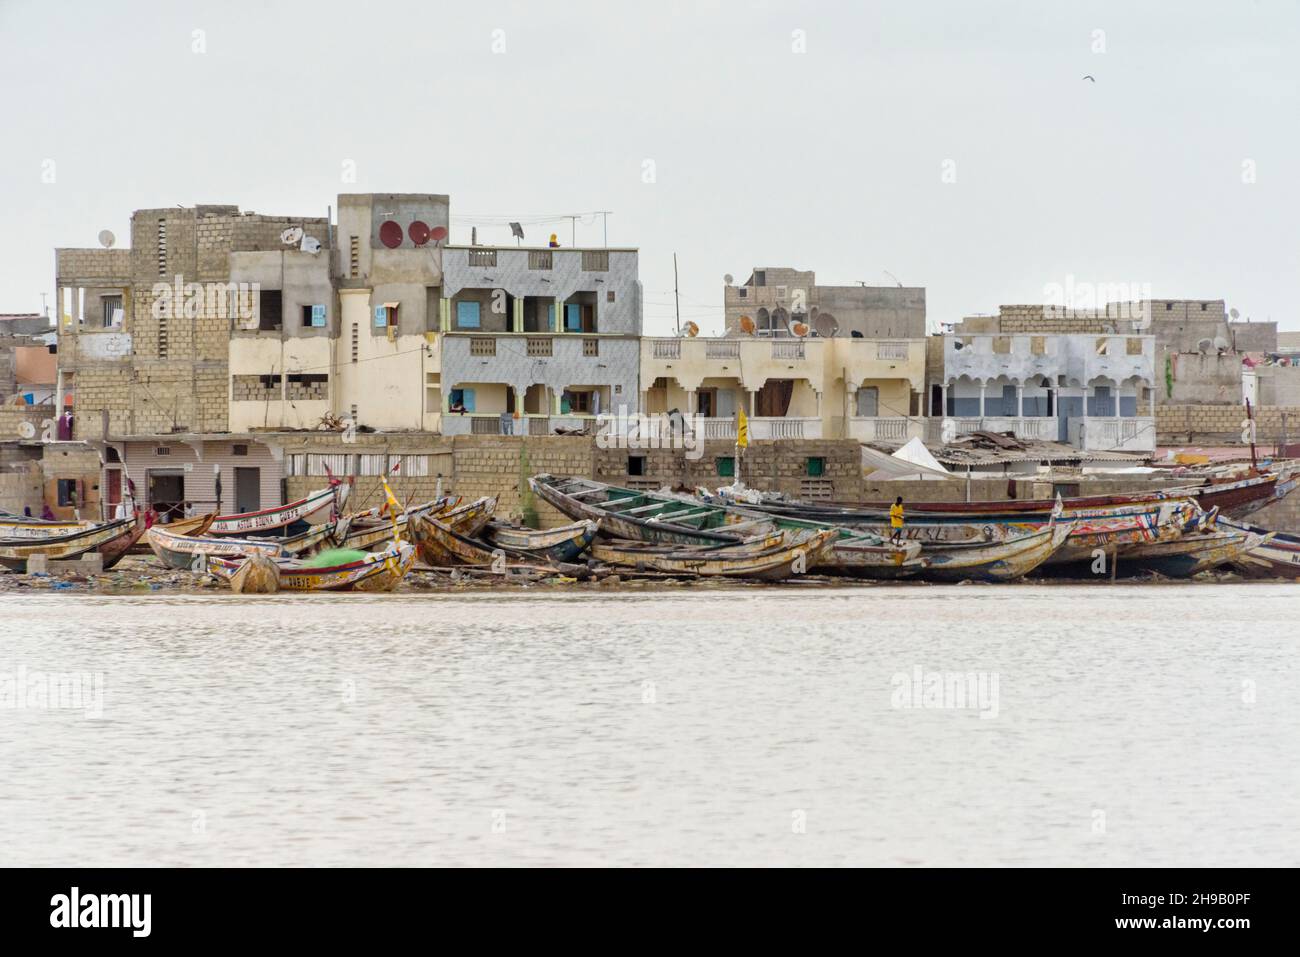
[829, 159]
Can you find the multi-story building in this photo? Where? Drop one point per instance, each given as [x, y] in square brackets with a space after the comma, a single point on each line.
[773, 298]
[1094, 391]
[536, 340]
[797, 388]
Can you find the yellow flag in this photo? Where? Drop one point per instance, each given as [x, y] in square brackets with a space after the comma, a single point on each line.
[742, 429]
[393, 507]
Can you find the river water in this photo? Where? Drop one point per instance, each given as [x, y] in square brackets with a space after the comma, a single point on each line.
[956, 725]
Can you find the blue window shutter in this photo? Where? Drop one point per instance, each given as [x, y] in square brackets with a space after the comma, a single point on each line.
[318, 315]
[550, 317]
[467, 315]
[381, 316]
[573, 318]
[467, 395]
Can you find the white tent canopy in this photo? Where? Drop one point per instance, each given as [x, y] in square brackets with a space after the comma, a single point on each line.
[913, 460]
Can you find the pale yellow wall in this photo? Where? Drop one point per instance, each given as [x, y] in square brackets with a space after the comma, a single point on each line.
[272, 355]
[387, 382]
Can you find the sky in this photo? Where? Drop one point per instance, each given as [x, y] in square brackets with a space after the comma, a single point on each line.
[950, 145]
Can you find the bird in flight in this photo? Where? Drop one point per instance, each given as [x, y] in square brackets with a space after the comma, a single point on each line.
[1090, 78]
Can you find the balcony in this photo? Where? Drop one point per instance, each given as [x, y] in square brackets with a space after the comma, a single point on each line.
[1029, 428]
[893, 430]
[788, 349]
[1097, 434]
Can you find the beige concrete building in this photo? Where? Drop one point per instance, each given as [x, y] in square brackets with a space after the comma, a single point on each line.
[773, 298]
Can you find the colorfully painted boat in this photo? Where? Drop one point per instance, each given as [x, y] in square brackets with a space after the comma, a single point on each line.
[1194, 552]
[377, 571]
[112, 539]
[370, 530]
[12, 527]
[1276, 556]
[994, 561]
[563, 543]
[465, 520]
[316, 509]
[786, 555]
[191, 551]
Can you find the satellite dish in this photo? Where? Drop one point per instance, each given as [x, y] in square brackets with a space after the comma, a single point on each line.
[106, 238]
[799, 329]
[747, 325]
[728, 279]
[517, 230]
[826, 325]
[292, 236]
[1221, 344]
[1204, 345]
[692, 330]
[1231, 312]
[390, 234]
[438, 233]
[419, 232]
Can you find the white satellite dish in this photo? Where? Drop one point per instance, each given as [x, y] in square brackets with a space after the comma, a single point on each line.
[1204, 345]
[1234, 314]
[728, 279]
[1221, 344]
[292, 236]
[106, 238]
[310, 245]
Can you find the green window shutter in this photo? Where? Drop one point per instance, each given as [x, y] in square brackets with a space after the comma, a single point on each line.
[726, 466]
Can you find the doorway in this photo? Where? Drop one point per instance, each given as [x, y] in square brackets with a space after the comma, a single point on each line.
[248, 490]
[167, 493]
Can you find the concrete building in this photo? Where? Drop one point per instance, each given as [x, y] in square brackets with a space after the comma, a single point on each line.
[1094, 391]
[145, 332]
[790, 388]
[536, 340]
[774, 296]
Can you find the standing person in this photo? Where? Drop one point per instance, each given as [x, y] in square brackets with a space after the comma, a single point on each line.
[896, 521]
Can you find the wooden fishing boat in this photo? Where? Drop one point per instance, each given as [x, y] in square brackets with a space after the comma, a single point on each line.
[191, 551]
[562, 544]
[441, 545]
[638, 516]
[1276, 556]
[1194, 552]
[315, 509]
[110, 538]
[366, 532]
[996, 561]
[12, 527]
[1232, 498]
[377, 571]
[787, 555]
[464, 521]
[868, 557]
[185, 526]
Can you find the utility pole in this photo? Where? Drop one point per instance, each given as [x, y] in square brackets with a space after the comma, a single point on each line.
[677, 298]
[604, 218]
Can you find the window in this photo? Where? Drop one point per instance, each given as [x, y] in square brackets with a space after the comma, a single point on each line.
[726, 465]
[308, 386]
[742, 293]
[354, 342]
[269, 309]
[591, 347]
[1002, 345]
[239, 449]
[609, 296]
[636, 465]
[413, 466]
[372, 464]
[595, 260]
[112, 311]
[162, 450]
[869, 401]
[577, 403]
[1169, 307]
[354, 265]
[482, 346]
[1134, 346]
[482, 258]
[339, 464]
[537, 347]
[540, 259]
[432, 392]
[386, 315]
[462, 399]
[1102, 347]
[67, 493]
[467, 315]
[815, 466]
[1037, 345]
[313, 316]
[572, 317]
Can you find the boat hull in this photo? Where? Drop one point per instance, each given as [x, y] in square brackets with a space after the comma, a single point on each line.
[377, 572]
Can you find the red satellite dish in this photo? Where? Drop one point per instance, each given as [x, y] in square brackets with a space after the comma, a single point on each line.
[419, 232]
[390, 234]
[438, 233]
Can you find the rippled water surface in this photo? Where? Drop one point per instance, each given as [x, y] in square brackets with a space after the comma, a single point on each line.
[1130, 725]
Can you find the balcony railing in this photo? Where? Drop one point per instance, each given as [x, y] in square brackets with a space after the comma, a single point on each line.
[884, 429]
[668, 348]
[721, 349]
[788, 349]
[539, 346]
[1034, 428]
[483, 258]
[1098, 434]
[891, 350]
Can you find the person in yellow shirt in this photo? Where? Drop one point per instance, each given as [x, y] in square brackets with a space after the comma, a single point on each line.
[896, 521]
